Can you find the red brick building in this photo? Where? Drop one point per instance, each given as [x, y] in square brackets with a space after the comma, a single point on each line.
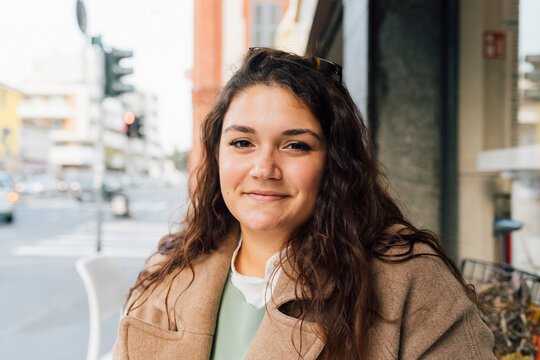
[261, 19]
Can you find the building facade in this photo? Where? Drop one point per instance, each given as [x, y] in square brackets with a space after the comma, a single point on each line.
[10, 125]
[61, 112]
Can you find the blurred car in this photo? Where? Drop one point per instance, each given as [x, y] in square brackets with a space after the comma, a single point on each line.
[8, 197]
[82, 188]
[38, 185]
[113, 183]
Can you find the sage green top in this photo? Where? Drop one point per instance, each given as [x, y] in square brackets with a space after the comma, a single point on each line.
[236, 326]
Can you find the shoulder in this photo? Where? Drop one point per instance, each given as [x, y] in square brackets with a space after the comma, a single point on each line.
[412, 266]
[156, 302]
[414, 275]
[424, 310]
[149, 304]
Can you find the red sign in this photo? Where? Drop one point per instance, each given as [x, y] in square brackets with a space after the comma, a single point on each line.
[494, 45]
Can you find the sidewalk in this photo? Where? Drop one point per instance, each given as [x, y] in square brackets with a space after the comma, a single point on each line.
[44, 319]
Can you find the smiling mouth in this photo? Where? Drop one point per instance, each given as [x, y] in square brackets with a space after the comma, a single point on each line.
[266, 196]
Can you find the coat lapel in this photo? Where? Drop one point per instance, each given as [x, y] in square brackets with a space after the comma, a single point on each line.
[195, 301]
[281, 336]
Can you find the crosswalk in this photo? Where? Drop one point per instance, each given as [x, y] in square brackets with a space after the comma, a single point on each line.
[128, 238]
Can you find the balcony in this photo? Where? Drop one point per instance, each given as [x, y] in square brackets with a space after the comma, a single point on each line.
[520, 158]
[75, 155]
[45, 109]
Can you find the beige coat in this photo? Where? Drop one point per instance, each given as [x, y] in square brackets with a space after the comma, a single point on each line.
[432, 317]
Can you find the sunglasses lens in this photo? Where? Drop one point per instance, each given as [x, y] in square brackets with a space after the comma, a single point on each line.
[328, 68]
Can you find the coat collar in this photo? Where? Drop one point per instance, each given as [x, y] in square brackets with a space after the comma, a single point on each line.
[196, 310]
[281, 336]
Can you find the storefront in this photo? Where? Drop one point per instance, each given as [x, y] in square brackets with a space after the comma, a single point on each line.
[441, 83]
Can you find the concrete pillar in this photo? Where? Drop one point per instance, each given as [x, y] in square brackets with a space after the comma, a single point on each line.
[407, 103]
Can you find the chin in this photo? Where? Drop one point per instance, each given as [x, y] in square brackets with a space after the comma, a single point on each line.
[264, 227]
[263, 224]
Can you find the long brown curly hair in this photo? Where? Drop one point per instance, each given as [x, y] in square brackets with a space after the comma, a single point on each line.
[351, 218]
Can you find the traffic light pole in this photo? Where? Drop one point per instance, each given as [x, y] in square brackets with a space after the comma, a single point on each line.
[99, 175]
[99, 162]
[99, 151]
[113, 73]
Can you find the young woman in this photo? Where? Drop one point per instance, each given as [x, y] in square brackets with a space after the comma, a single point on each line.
[292, 247]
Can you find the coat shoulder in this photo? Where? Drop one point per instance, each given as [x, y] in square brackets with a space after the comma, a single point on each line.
[424, 311]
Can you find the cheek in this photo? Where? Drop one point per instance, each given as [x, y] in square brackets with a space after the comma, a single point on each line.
[309, 178]
[230, 171]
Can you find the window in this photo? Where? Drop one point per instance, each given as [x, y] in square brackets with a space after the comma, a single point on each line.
[264, 21]
[528, 118]
[3, 98]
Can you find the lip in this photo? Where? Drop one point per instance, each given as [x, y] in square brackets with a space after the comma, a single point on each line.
[265, 195]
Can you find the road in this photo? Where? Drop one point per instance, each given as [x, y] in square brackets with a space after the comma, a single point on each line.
[43, 305]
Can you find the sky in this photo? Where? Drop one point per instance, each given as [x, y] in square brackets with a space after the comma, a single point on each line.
[160, 33]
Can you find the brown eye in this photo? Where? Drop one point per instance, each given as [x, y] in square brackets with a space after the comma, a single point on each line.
[298, 146]
[240, 143]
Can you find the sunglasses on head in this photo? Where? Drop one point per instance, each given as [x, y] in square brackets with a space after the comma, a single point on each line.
[328, 68]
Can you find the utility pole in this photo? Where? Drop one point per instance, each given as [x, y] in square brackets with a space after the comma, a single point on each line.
[99, 164]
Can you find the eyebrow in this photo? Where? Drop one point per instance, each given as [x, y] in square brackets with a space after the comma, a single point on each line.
[290, 132]
[244, 129]
[293, 132]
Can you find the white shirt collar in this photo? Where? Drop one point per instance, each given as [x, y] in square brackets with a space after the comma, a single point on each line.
[257, 292]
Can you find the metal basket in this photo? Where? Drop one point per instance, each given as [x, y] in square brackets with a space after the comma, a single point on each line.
[475, 272]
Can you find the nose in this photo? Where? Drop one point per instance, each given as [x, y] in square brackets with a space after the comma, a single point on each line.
[265, 166]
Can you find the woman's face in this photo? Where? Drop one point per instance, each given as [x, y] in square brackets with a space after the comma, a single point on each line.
[271, 159]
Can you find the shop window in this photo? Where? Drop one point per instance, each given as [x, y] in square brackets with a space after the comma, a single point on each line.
[264, 21]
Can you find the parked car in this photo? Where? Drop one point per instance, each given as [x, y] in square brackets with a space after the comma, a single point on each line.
[8, 197]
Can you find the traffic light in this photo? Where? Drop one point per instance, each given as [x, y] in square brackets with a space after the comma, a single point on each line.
[114, 72]
[129, 120]
[134, 125]
[139, 127]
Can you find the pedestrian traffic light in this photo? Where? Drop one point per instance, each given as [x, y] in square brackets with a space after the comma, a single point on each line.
[114, 72]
